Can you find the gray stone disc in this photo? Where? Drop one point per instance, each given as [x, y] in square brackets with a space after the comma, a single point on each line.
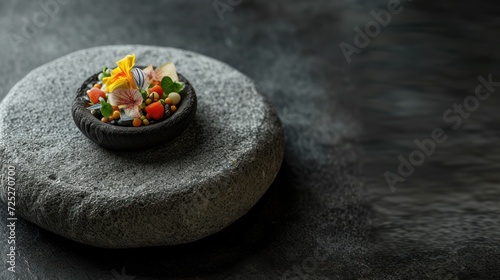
[194, 186]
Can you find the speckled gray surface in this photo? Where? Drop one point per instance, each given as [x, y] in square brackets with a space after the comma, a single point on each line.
[345, 125]
[181, 192]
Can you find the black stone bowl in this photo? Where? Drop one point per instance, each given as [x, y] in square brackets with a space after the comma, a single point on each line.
[116, 137]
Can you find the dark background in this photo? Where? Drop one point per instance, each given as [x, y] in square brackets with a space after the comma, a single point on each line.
[330, 214]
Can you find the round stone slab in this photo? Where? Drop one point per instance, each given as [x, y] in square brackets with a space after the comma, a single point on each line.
[194, 186]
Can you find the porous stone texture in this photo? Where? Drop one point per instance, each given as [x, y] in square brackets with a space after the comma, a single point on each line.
[194, 186]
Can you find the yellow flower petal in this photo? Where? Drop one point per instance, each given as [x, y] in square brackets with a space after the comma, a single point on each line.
[118, 84]
[126, 63]
[121, 77]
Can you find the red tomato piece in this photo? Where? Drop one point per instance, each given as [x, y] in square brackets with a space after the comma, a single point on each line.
[156, 110]
[157, 89]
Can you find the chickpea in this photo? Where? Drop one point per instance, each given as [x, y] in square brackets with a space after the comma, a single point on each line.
[137, 122]
[116, 115]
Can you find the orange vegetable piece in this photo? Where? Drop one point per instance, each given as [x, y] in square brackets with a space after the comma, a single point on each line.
[156, 110]
[157, 89]
[94, 95]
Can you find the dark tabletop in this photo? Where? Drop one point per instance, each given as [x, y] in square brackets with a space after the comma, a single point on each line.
[331, 214]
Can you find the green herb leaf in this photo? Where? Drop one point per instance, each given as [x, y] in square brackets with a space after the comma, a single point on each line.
[178, 87]
[106, 109]
[168, 86]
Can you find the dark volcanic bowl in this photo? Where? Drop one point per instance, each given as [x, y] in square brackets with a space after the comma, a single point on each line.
[116, 137]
